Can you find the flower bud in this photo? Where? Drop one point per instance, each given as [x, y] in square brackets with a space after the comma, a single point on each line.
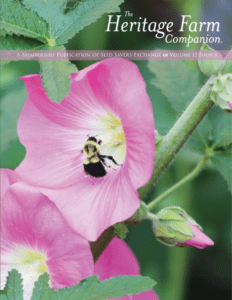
[209, 67]
[174, 227]
[222, 91]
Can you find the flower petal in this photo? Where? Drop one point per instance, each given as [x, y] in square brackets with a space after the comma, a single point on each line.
[92, 205]
[30, 220]
[118, 259]
[199, 240]
[118, 86]
[52, 149]
[8, 177]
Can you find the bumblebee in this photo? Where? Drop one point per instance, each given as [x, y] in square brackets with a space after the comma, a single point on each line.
[95, 162]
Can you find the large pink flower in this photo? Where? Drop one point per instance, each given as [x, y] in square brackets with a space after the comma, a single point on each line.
[108, 106]
[35, 238]
[118, 259]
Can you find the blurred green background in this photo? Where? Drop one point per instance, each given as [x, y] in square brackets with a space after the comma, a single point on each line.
[181, 273]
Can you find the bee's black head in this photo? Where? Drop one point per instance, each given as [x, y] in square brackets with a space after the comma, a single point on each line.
[93, 139]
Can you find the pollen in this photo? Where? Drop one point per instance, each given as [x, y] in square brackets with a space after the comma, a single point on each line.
[35, 258]
[29, 262]
[109, 129]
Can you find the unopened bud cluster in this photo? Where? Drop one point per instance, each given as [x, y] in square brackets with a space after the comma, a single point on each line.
[174, 227]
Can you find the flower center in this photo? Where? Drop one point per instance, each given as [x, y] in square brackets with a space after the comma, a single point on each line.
[109, 130]
[30, 263]
[105, 148]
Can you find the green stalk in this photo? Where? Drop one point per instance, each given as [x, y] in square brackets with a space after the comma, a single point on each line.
[178, 257]
[178, 135]
[182, 182]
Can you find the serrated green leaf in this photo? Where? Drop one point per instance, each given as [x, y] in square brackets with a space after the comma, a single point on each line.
[19, 20]
[56, 76]
[178, 83]
[72, 4]
[61, 294]
[92, 289]
[223, 162]
[14, 288]
[3, 32]
[64, 26]
[41, 290]
[14, 42]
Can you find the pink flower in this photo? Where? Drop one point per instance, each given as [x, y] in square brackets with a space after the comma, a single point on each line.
[230, 104]
[35, 238]
[118, 259]
[105, 128]
[199, 239]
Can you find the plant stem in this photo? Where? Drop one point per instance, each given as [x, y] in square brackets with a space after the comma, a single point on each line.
[177, 260]
[183, 181]
[178, 135]
[167, 150]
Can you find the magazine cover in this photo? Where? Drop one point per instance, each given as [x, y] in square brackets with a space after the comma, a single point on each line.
[116, 146]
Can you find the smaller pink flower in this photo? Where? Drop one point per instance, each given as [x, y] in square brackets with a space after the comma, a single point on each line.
[35, 238]
[118, 259]
[199, 240]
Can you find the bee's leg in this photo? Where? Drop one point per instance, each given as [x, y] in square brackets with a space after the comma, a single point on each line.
[111, 158]
[104, 163]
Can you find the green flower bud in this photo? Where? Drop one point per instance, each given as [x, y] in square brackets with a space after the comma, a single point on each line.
[222, 91]
[172, 226]
[209, 67]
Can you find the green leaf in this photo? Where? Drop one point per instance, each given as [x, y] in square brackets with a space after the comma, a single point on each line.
[11, 106]
[3, 297]
[14, 42]
[3, 32]
[223, 162]
[13, 155]
[41, 290]
[213, 132]
[65, 26]
[120, 230]
[221, 123]
[202, 137]
[56, 76]
[92, 289]
[21, 21]
[4, 62]
[178, 83]
[61, 294]
[13, 288]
